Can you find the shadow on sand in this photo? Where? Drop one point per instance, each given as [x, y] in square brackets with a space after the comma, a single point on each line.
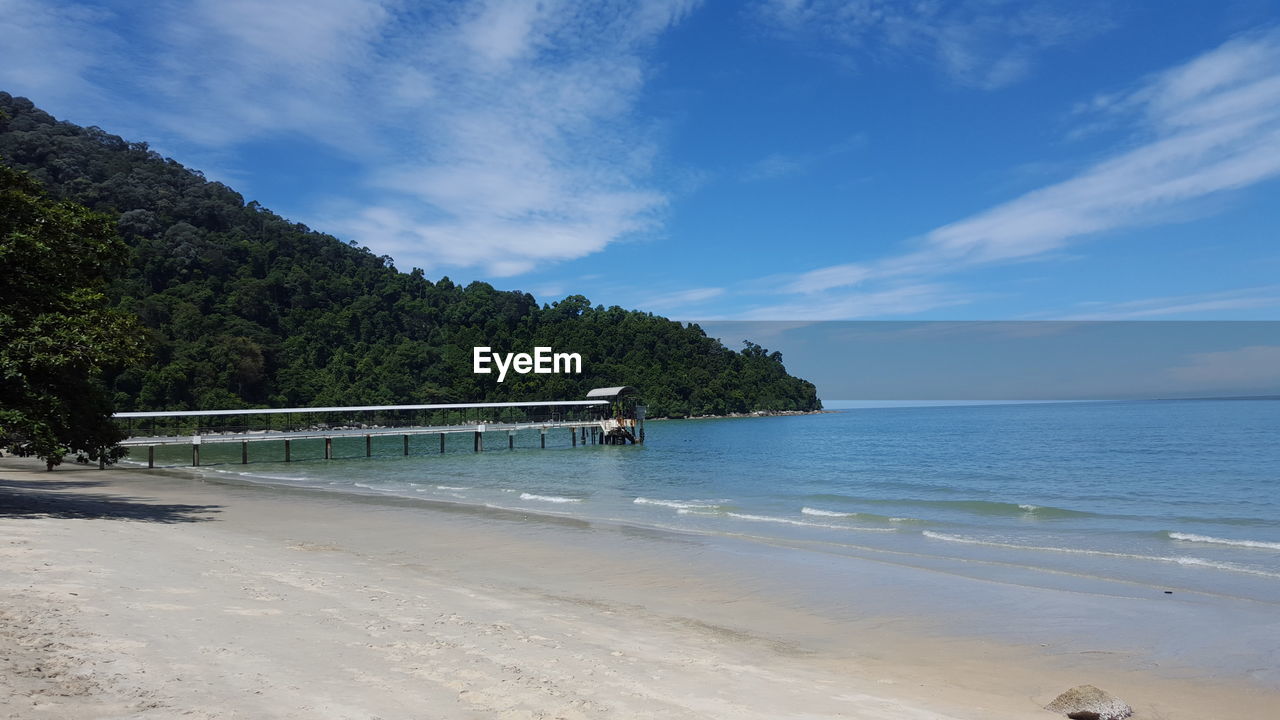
[57, 499]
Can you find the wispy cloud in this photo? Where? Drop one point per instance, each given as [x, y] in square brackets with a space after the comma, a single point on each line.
[497, 134]
[1198, 131]
[681, 298]
[64, 39]
[905, 299]
[781, 165]
[986, 45]
[1181, 305]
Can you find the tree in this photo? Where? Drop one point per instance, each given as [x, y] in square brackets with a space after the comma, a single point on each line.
[243, 308]
[58, 333]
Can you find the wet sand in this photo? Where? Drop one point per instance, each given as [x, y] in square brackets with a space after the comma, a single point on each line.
[138, 594]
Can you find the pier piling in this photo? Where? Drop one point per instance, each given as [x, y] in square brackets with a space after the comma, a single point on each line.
[590, 422]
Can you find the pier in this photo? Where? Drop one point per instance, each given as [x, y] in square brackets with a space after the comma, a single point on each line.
[609, 416]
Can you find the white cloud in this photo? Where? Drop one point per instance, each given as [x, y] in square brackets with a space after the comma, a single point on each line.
[499, 133]
[826, 278]
[64, 40]
[217, 72]
[1205, 128]
[681, 298]
[986, 45]
[1181, 305]
[900, 300]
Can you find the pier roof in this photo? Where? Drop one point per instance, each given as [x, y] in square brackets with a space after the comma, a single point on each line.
[611, 392]
[356, 408]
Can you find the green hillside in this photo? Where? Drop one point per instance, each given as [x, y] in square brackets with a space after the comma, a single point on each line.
[243, 308]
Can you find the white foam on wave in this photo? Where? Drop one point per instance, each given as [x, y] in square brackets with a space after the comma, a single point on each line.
[451, 487]
[549, 498]
[802, 523]
[262, 476]
[285, 478]
[526, 511]
[826, 513]
[819, 512]
[678, 504]
[1209, 539]
[1180, 560]
[398, 488]
[1029, 508]
[1233, 567]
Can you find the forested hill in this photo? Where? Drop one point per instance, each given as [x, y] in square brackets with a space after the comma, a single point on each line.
[245, 308]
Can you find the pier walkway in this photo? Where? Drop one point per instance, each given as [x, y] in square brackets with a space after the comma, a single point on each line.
[609, 417]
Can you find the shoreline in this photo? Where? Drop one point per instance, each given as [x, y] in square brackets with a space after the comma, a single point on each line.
[218, 576]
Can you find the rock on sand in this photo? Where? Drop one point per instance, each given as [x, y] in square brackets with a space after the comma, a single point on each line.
[1086, 702]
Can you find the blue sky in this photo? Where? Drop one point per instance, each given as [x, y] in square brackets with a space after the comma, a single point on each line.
[768, 160]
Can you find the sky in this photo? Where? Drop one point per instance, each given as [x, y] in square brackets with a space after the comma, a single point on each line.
[763, 160]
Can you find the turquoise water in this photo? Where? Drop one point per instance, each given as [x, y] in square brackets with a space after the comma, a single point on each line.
[1148, 496]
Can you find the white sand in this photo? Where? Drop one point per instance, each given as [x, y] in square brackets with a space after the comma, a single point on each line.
[123, 594]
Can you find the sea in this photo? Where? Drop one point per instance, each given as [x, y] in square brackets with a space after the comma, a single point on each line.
[1177, 495]
[1148, 531]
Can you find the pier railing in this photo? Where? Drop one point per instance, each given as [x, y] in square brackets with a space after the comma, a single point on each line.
[291, 420]
[587, 422]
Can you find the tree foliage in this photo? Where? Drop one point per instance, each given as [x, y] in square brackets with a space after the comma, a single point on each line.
[59, 332]
[244, 308]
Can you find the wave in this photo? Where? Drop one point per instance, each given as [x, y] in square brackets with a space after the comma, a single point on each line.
[549, 498]
[451, 487]
[818, 512]
[987, 507]
[678, 504]
[826, 513]
[1208, 539]
[973, 507]
[1179, 560]
[263, 476]
[802, 523]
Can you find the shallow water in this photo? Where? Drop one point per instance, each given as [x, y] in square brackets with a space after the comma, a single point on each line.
[1167, 495]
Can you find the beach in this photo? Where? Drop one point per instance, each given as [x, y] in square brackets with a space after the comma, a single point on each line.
[129, 593]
